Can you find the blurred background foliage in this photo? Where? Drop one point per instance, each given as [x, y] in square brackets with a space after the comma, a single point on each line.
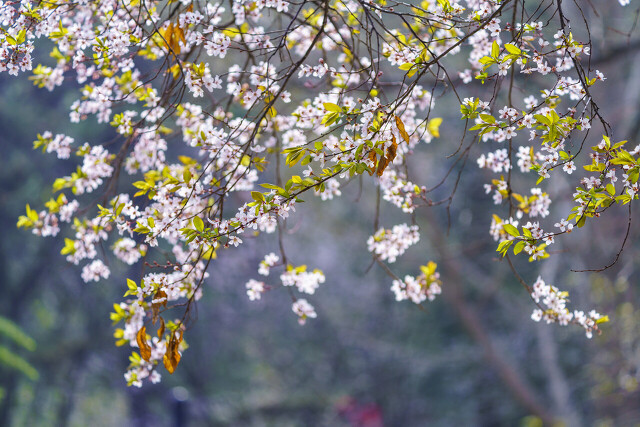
[472, 357]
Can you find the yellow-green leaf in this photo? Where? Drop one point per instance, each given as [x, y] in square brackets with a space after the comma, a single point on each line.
[198, 223]
[332, 107]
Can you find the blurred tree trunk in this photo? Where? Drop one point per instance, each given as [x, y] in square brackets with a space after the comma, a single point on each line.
[517, 384]
[558, 385]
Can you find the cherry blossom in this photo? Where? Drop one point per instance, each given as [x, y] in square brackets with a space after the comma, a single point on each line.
[225, 117]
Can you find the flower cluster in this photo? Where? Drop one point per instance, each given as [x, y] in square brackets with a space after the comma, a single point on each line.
[552, 303]
[388, 244]
[243, 96]
[255, 289]
[418, 289]
[269, 261]
[303, 310]
[305, 281]
[399, 191]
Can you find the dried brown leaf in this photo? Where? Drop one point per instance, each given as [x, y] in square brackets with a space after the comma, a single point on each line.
[374, 159]
[161, 328]
[145, 349]
[401, 129]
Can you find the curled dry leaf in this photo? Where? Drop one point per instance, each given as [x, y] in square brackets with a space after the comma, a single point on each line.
[401, 129]
[391, 154]
[372, 157]
[145, 349]
[161, 328]
[155, 307]
[172, 355]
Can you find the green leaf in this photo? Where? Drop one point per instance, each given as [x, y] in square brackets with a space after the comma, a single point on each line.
[69, 246]
[487, 60]
[618, 145]
[487, 118]
[622, 154]
[141, 185]
[32, 214]
[495, 49]
[512, 49]
[511, 230]
[503, 244]
[518, 247]
[198, 223]
[270, 186]
[332, 107]
[543, 119]
[611, 189]
[186, 175]
[257, 196]
[22, 36]
[330, 118]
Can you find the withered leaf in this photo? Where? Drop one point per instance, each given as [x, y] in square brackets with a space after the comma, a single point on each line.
[155, 307]
[169, 361]
[172, 36]
[145, 349]
[391, 154]
[374, 159]
[392, 149]
[161, 328]
[172, 355]
[382, 165]
[401, 129]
